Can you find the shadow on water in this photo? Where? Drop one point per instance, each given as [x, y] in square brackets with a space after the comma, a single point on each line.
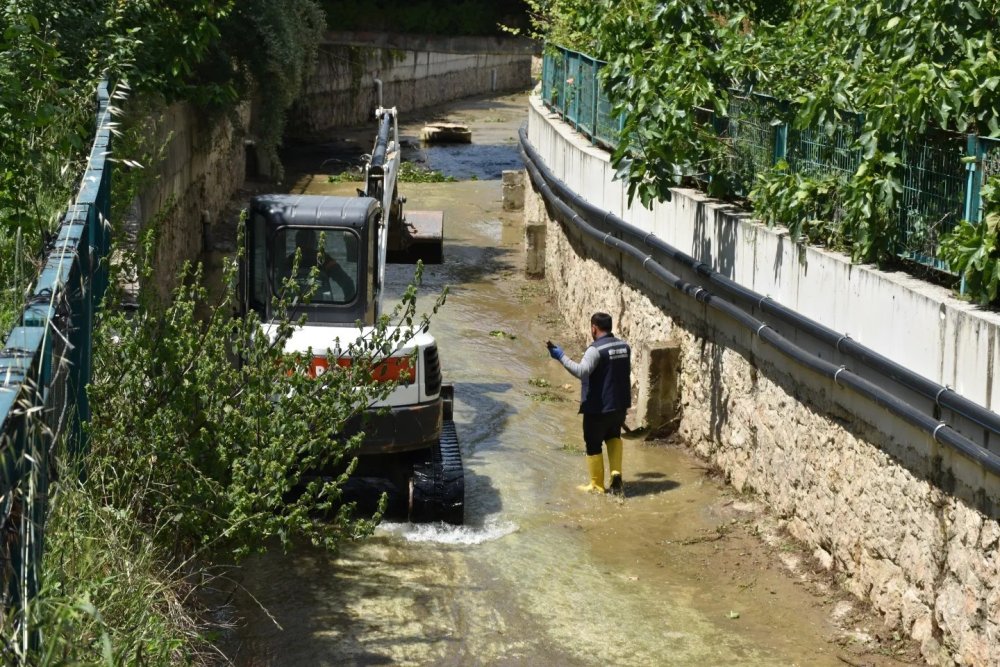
[648, 484]
[329, 157]
[464, 266]
[479, 432]
[475, 263]
[489, 415]
[315, 625]
[482, 499]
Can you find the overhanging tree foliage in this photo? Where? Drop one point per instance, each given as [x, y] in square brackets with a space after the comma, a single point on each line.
[212, 53]
[911, 68]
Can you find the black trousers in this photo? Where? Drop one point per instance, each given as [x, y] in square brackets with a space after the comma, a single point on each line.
[601, 427]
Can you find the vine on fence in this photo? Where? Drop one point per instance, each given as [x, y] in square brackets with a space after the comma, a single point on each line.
[809, 206]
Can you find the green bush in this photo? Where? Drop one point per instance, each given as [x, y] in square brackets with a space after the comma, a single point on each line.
[809, 206]
[220, 425]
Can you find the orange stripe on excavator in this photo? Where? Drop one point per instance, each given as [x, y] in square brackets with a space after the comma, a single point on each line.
[393, 369]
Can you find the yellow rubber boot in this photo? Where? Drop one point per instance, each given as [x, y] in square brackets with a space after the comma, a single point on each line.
[595, 464]
[615, 465]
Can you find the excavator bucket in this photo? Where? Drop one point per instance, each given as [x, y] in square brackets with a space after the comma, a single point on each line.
[422, 238]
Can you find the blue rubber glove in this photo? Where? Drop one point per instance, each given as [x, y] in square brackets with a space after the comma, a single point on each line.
[556, 352]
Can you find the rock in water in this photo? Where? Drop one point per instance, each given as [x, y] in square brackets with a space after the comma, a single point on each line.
[446, 133]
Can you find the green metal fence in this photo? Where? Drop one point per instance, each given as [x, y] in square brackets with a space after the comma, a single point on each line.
[45, 365]
[942, 173]
[983, 163]
[933, 197]
[751, 130]
[570, 87]
[825, 152]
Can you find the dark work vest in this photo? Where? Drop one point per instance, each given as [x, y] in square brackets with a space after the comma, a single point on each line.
[609, 386]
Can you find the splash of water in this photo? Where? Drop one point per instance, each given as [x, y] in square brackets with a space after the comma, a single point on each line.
[442, 533]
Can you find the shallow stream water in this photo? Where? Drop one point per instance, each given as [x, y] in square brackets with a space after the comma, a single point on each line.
[541, 574]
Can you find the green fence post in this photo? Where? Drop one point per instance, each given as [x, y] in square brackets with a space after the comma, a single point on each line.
[546, 78]
[780, 139]
[974, 178]
[578, 81]
[973, 185]
[593, 106]
[564, 102]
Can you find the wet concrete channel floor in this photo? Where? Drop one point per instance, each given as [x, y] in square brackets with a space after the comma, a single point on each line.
[541, 574]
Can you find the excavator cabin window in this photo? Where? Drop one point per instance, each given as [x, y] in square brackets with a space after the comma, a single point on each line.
[333, 252]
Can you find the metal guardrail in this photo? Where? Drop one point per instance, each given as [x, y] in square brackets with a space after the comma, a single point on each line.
[943, 173]
[45, 365]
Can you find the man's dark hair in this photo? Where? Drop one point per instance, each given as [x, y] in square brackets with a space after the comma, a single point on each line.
[602, 321]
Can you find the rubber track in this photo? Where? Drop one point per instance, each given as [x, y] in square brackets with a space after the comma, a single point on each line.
[439, 485]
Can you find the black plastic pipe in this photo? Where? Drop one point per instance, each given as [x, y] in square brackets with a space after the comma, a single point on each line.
[381, 142]
[944, 397]
[541, 176]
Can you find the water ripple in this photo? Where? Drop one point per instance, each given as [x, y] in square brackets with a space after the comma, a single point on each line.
[443, 533]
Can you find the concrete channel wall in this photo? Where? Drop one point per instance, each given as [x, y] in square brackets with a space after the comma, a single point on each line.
[908, 524]
[415, 72]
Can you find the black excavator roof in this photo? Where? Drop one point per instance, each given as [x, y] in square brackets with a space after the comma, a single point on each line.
[315, 210]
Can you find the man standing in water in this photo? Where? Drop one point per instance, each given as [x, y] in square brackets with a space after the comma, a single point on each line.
[606, 393]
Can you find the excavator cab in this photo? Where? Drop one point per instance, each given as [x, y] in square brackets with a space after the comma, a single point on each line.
[336, 242]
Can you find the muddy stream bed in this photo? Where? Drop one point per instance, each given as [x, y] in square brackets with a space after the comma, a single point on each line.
[682, 572]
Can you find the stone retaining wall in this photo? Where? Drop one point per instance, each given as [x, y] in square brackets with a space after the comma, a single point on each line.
[923, 558]
[203, 162]
[342, 90]
[879, 502]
